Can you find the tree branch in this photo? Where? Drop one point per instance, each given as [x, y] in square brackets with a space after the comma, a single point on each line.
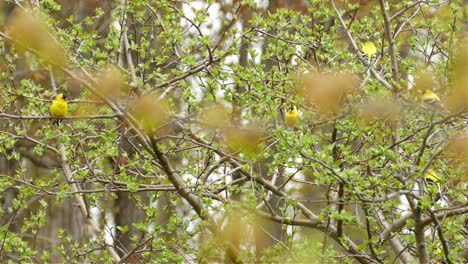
[391, 43]
[80, 200]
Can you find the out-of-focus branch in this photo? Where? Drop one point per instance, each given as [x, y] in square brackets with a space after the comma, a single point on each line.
[43, 161]
[446, 213]
[330, 231]
[128, 53]
[446, 119]
[399, 224]
[403, 10]
[395, 243]
[403, 24]
[80, 200]
[129, 59]
[391, 43]
[20, 117]
[421, 248]
[191, 198]
[369, 233]
[440, 234]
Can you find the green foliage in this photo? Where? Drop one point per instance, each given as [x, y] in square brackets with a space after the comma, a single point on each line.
[168, 185]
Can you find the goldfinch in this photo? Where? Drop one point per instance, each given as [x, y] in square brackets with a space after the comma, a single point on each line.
[291, 119]
[369, 49]
[431, 179]
[429, 97]
[59, 107]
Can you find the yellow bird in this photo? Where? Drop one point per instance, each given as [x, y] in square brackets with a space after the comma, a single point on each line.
[431, 179]
[59, 107]
[292, 118]
[429, 97]
[369, 49]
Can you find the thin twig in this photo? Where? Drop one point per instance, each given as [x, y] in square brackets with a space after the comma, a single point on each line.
[20, 117]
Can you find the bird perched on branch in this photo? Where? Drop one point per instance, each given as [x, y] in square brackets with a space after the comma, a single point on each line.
[59, 107]
[291, 119]
[369, 50]
[430, 97]
[431, 179]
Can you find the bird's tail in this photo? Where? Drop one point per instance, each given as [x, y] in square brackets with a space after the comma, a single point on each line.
[56, 121]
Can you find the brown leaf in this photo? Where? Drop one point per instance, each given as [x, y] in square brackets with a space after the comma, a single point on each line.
[378, 109]
[150, 112]
[244, 139]
[111, 82]
[30, 31]
[457, 151]
[325, 92]
[457, 99]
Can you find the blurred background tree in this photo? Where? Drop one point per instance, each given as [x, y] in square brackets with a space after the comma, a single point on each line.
[175, 147]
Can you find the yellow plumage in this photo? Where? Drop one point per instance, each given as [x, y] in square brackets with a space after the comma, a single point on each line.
[431, 177]
[59, 107]
[429, 97]
[292, 118]
[369, 49]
